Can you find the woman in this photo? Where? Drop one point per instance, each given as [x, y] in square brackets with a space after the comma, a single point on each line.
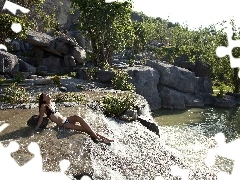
[47, 106]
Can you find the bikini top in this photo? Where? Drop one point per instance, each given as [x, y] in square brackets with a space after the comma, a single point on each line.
[50, 111]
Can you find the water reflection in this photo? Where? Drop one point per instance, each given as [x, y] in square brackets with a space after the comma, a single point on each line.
[190, 133]
[209, 120]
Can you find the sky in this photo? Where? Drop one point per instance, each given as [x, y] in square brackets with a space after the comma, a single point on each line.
[192, 12]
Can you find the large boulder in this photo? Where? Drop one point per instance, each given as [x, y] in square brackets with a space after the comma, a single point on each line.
[183, 62]
[173, 99]
[69, 61]
[225, 102]
[205, 85]
[177, 78]
[52, 63]
[202, 69]
[62, 47]
[146, 80]
[38, 39]
[25, 67]
[104, 76]
[79, 54]
[8, 62]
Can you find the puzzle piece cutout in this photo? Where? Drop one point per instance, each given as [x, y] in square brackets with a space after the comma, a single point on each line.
[228, 150]
[222, 51]
[10, 169]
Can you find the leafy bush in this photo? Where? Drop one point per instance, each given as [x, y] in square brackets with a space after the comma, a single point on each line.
[91, 72]
[120, 81]
[56, 80]
[143, 61]
[131, 62]
[116, 105]
[15, 95]
[221, 92]
[18, 77]
[69, 97]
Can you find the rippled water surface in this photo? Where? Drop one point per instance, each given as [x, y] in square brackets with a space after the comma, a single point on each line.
[190, 133]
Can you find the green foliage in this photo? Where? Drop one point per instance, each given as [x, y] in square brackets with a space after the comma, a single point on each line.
[140, 37]
[143, 61]
[79, 86]
[131, 62]
[107, 25]
[18, 77]
[73, 74]
[14, 94]
[56, 80]
[221, 92]
[69, 97]
[31, 20]
[91, 72]
[115, 105]
[105, 66]
[120, 81]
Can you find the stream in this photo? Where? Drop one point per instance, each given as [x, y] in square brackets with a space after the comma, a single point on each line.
[137, 153]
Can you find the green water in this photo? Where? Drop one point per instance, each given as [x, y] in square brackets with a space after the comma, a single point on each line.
[210, 120]
[190, 133]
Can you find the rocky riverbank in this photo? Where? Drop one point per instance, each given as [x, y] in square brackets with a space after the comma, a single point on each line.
[137, 152]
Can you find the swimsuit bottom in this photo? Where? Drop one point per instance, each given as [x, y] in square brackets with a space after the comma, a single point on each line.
[67, 121]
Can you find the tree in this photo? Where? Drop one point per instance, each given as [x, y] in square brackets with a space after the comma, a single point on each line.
[140, 37]
[107, 25]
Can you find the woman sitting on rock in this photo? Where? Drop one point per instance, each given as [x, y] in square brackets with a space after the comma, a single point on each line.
[47, 106]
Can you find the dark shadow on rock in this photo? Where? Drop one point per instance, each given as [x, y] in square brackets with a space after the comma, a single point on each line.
[149, 125]
[32, 122]
[83, 176]
[20, 133]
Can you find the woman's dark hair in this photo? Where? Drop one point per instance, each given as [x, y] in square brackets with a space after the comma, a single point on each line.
[41, 101]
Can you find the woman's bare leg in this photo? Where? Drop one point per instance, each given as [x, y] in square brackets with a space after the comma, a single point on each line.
[85, 127]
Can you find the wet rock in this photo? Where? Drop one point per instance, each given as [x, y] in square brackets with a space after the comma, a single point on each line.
[149, 125]
[129, 115]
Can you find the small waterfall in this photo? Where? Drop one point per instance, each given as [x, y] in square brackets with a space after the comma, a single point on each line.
[138, 153]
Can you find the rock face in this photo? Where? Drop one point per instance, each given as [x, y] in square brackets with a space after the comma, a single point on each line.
[178, 88]
[8, 62]
[145, 80]
[58, 54]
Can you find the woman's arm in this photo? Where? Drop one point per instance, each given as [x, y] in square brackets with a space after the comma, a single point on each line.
[40, 119]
